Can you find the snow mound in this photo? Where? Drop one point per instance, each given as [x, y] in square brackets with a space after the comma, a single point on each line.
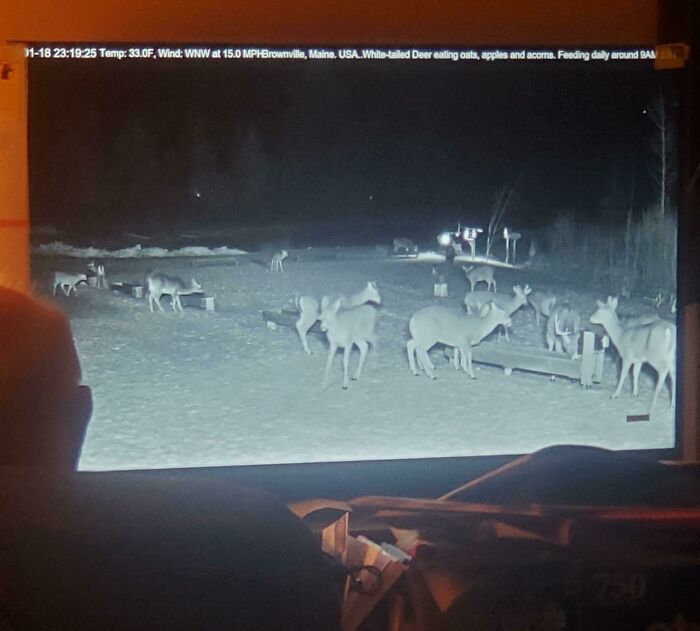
[58, 248]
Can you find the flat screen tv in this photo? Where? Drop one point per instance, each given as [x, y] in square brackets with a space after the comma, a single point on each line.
[369, 189]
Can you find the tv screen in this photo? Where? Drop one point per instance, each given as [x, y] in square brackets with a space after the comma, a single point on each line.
[487, 236]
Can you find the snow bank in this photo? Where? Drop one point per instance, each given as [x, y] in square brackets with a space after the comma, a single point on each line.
[57, 248]
[433, 257]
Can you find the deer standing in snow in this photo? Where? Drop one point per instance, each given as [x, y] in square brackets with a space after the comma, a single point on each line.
[276, 262]
[67, 282]
[344, 329]
[652, 342]
[310, 309]
[441, 325]
[159, 284]
[476, 274]
[474, 300]
[564, 330]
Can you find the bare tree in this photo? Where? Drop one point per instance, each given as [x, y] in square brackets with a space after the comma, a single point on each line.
[500, 206]
[663, 145]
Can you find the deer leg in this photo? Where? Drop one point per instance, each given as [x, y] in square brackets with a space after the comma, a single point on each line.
[672, 375]
[501, 331]
[331, 353]
[160, 306]
[623, 376]
[303, 326]
[346, 365]
[364, 347]
[462, 357]
[374, 344]
[550, 341]
[470, 367]
[659, 384]
[425, 362]
[411, 351]
[451, 357]
[636, 369]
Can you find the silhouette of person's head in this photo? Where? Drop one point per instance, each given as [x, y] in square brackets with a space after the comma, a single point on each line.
[44, 410]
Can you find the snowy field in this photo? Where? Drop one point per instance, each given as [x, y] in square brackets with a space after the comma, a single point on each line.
[221, 388]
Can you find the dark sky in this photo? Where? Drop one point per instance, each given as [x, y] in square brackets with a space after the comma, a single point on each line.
[123, 145]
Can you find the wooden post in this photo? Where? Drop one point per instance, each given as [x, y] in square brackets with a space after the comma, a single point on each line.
[440, 290]
[587, 360]
[600, 360]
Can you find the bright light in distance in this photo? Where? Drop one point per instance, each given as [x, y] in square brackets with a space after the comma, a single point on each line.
[445, 239]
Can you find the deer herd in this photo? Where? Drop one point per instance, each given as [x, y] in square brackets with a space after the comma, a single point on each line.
[351, 320]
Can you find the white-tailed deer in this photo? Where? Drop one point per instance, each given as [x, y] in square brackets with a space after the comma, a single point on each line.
[542, 303]
[67, 282]
[276, 262]
[159, 284]
[564, 330]
[344, 329]
[404, 246]
[441, 325]
[480, 273]
[474, 300]
[645, 318]
[310, 309]
[653, 343]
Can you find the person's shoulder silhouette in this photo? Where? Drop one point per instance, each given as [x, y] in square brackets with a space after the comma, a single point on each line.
[129, 551]
[44, 408]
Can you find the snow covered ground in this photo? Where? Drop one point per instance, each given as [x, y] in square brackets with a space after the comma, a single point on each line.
[221, 388]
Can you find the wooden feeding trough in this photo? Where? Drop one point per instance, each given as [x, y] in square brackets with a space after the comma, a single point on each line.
[587, 369]
[135, 291]
[198, 301]
[287, 317]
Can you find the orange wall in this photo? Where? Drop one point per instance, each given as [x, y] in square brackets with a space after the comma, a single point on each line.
[358, 21]
[14, 183]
